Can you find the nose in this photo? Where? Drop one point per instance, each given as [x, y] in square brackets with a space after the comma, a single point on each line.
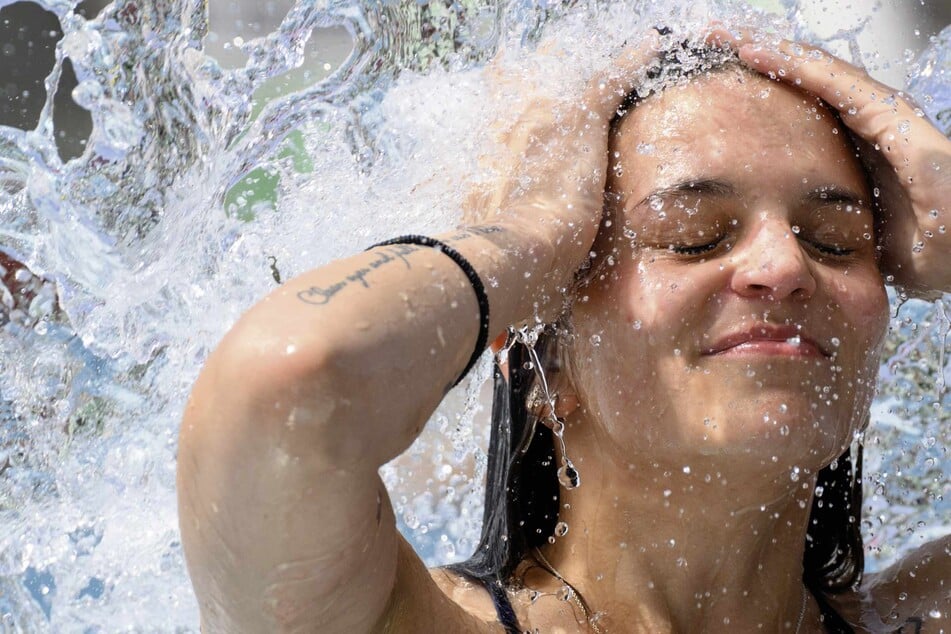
[770, 264]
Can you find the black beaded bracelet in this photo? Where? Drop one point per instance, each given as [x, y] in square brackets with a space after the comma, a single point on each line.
[477, 286]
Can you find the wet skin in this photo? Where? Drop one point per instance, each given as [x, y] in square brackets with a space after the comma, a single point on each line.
[725, 349]
[745, 282]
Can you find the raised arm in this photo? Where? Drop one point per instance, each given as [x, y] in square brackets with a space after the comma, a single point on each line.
[285, 522]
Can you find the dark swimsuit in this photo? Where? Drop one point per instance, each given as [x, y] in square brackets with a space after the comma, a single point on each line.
[503, 607]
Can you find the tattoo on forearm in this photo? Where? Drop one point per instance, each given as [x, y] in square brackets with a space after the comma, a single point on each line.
[320, 295]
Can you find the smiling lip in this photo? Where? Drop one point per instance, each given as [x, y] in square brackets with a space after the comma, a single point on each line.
[767, 339]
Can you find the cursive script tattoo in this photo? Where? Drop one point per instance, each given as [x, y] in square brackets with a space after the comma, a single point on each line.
[321, 295]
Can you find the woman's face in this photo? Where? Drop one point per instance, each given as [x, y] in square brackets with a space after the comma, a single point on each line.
[742, 311]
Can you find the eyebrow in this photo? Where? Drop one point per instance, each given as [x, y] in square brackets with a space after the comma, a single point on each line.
[703, 186]
[835, 194]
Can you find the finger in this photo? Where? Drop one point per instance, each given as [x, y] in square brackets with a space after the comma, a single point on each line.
[874, 111]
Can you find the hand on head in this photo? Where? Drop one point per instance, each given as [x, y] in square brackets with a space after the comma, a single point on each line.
[908, 157]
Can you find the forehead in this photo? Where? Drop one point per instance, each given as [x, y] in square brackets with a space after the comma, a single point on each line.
[734, 125]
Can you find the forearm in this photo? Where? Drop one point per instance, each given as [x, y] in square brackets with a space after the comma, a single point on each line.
[366, 347]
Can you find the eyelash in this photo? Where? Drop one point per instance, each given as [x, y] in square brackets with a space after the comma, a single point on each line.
[702, 249]
[825, 249]
[699, 249]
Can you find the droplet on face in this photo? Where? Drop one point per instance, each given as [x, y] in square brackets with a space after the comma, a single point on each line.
[561, 529]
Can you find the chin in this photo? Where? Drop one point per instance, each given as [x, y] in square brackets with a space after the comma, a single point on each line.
[773, 429]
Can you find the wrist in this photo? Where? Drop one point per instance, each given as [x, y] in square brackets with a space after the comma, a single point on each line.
[519, 263]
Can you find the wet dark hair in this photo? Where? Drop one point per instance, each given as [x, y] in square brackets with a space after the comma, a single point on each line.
[522, 488]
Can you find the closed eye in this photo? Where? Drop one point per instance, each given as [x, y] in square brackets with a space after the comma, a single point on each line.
[698, 249]
[830, 249]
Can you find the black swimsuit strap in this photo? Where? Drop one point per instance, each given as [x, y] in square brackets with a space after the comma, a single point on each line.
[503, 607]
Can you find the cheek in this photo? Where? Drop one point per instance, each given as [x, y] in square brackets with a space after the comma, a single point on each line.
[629, 327]
[862, 298]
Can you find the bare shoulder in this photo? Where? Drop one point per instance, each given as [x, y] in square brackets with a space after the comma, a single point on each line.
[536, 605]
[915, 592]
[435, 600]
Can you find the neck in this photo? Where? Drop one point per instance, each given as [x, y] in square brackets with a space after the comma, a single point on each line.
[661, 547]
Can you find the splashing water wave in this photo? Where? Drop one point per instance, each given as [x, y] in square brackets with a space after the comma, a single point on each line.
[122, 268]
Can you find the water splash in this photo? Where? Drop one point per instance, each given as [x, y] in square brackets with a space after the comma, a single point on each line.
[123, 267]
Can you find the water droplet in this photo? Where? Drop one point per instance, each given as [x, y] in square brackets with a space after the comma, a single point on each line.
[796, 229]
[561, 529]
[645, 148]
[687, 469]
[794, 474]
[596, 340]
[568, 476]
